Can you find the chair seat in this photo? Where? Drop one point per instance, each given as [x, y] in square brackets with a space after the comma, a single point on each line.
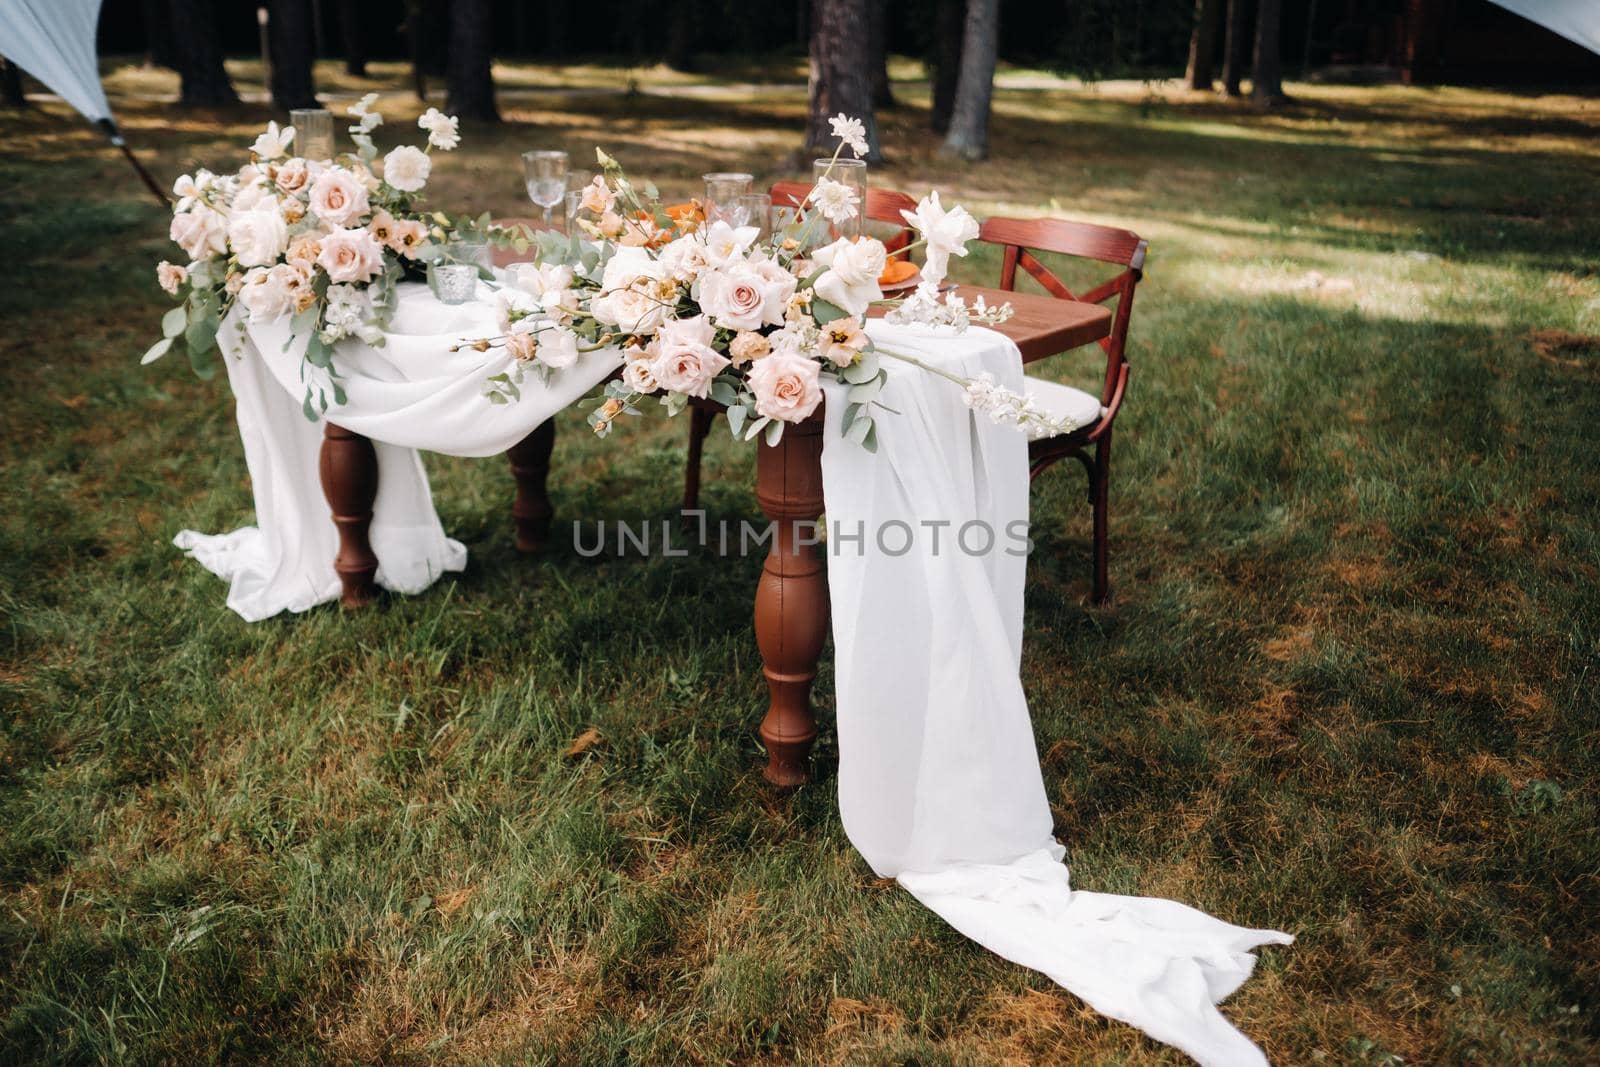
[1073, 406]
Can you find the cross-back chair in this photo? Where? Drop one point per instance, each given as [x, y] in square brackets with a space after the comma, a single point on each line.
[1090, 444]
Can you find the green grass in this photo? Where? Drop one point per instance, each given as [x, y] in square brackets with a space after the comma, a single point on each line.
[1346, 688]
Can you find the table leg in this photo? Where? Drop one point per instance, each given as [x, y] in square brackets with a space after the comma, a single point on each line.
[792, 599]
[530, 465]
[349, 469]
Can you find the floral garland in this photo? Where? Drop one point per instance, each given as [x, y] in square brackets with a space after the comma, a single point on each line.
[324, 242]
[710, 312]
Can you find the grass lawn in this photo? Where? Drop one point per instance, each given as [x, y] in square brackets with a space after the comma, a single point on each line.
[1347, 686]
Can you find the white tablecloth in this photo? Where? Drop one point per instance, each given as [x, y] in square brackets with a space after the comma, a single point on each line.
[939, 779]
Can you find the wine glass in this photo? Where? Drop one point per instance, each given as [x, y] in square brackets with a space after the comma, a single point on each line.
[545, 173]
[723, 190]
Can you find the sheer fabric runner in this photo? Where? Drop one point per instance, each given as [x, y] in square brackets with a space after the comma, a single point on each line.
[939, 779]
[413, 393]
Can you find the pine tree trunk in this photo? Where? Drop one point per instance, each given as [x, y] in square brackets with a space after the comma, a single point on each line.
[471, 83]
[290, 27]
[840, 78]
[158, 44]
[980, 47]
[199, 55]
[1202, 45]
[353, 33]
[1234, 46]
[878, 50]
[681, 36]
[1267, 77]
[946, 61]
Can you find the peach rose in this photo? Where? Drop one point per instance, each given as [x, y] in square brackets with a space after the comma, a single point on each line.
[350, 256]
[786, 386]
[170, 275]
[201, 233]
[338, 198]
[304, 250]
[747, 346]
[522, 347]
[294, 176]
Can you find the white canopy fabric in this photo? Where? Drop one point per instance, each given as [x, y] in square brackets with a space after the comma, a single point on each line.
[1576, 20]
[54, 40]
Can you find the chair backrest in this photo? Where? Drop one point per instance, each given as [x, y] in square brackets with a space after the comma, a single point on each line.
[1106, 244]
[883, 205]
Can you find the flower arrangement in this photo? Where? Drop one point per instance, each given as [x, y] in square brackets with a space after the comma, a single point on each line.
[709, 311]
[324, 242]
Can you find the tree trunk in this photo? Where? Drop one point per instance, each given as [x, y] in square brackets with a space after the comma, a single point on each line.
[980, 46]
[841, 80]
[353, 34]
[946, 61]
[1233, 47]
[199, 55]
[471, 83]
[681, 35]
[289, 27]
[1202, 45]
[11, 84]
[878, 51]
[1267, 77]
[158, 45]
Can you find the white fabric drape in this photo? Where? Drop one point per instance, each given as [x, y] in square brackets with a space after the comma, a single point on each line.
[1576, 20]
[939, 779]
[54, 40]
[412, 393]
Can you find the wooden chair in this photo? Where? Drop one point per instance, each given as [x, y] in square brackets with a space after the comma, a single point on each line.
[883, 205]
[1020, 237]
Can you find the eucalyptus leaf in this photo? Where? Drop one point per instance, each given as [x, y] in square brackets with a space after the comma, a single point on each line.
[865, 393]
[202, 332]
[724, 393]
[825, 311]
[155, 351]
[859, 429]
[736, 417]
[756, 427]
[204, 364]
[870, 442]
[774, 432]
[860, 371]
[174, 321]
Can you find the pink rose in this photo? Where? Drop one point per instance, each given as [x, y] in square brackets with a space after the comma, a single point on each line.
[294, 176]
[522, 347]
[786, 386]
[639, 375]
[201, 233]
[338, 198]
[742, 299]
[170, 275]
[350, 256]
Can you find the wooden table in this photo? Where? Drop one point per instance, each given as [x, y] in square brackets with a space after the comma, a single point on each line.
[791, 606]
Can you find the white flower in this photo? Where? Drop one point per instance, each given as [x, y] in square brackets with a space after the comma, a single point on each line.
[406, 168]
[851, 280]
[369, 122]
[250, 195]
[271, 294]
[639, 376]
[338, 197]
[273, 142]
[725, 243]
[852, 132]
[511, 306]
[636, 295]
[946, 234]
[443, 130]
[836, 200]
[558, 349]
[362, 108]
[201, 233]
[258, 237]
[684, 360]
[346, 310]
[685, 259]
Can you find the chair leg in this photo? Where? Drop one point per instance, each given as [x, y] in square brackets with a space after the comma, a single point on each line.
[700, 420]
[1099, 486]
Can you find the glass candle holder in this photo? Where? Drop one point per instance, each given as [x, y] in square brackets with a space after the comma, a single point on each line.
[313, 134]
[723, 191]
[571, 209]
[851, 173]
[756, 209]
[453, 283]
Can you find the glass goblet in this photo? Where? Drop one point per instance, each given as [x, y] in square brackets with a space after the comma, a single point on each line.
[545, 175]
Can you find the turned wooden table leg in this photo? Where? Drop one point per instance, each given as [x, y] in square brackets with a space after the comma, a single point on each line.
[349, 468]
[530, 465]
[792, 599]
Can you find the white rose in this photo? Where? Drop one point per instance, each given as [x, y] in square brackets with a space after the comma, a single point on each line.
[258, 237]
[350, 256]
[725, 244]
[685, 258]
[851, 280]
[267, 294]
[406, 168]
[635, 293]
[684, 360]
[557, 348]
[338, 198]
[201, 233]
[639, 376]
